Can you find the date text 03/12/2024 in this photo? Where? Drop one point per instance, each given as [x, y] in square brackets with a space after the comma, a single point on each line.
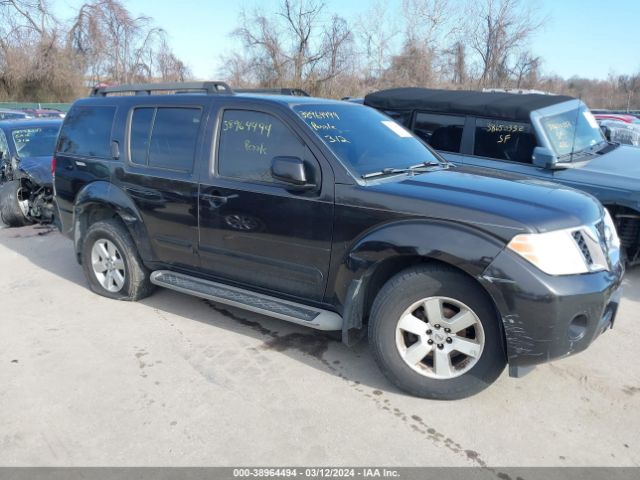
[324, 472]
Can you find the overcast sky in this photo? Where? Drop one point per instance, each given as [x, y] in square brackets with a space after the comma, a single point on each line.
[588, 38]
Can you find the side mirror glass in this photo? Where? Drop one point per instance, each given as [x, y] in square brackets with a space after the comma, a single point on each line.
[291, 170]
[544, 158]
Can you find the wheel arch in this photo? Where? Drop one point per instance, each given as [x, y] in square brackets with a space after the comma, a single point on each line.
[379, 255]
[100, 201]
[627, 221]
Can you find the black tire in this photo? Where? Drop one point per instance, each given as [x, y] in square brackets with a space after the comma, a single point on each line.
[411, 286]
[136, 284]
[10, 212]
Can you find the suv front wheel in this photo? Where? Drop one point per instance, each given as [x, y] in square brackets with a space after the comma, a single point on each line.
[434, 333]
[111, 262]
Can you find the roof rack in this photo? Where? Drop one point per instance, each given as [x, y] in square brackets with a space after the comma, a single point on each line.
[207, 88]
[296, 92]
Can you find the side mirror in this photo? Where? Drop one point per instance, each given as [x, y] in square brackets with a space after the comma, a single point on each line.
[544, 158]
[291, 170]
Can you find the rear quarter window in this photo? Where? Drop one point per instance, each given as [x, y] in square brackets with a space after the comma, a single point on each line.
[87, 131]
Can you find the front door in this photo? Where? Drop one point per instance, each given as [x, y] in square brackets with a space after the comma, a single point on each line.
[254, 230]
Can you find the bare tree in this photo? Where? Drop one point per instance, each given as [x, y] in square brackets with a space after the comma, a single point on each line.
[497, 31]
[526, 70]
[376, 31]
[291, 48]
[34, 61]
[630, 85]
[115, 46]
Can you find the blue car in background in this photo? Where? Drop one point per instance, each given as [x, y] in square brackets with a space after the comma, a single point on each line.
[550, 137]
[26, 186]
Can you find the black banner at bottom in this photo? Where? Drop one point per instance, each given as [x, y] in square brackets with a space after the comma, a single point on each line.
[391, 473]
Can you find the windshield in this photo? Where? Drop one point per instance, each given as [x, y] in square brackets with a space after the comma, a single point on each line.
[572, 131]
[364, 139]
[35, 141]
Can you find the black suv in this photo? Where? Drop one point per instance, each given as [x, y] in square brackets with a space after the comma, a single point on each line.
[331, 215]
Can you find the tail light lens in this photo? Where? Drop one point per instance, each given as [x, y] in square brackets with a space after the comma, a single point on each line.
[53, 166]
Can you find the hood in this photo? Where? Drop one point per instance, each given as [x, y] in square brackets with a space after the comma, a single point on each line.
[618, 168]
[38, 169]
[500, 202]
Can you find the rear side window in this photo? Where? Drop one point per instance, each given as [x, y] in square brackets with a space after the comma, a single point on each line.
[164, 137]
[87, 131]
[442, 132]
[504, 140]
[249, 141]
[402, 117]
[141, 121]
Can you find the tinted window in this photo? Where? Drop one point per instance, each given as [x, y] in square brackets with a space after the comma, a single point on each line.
[140, 130]
[365, 140]
[87, 131]
[174, 137]
[249, 141]
[164, 137]
[35, 141]
[402, 117]
[442, 132]
[504, 140]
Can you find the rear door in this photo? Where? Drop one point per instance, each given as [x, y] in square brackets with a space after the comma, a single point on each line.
[162, 142]
[254, 230]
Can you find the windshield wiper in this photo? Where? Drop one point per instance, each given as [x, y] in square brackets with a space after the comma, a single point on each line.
[420, 168]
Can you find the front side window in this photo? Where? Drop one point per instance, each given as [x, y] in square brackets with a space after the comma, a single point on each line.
[442, 132]
[572, 131]
[504, 140]
[164, 137]
[364, 139]
[87, 131]
[250, 140]
[35, 141]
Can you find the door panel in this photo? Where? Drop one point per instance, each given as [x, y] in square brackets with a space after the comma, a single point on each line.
[162, 146]
[266, 239]
[168, 207]
[253, 230]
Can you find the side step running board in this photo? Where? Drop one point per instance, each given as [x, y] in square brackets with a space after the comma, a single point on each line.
[247, 300]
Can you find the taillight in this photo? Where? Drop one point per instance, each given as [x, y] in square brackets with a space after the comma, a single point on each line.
[53, 166]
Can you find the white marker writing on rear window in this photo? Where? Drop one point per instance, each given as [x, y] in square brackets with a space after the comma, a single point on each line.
[397, 129]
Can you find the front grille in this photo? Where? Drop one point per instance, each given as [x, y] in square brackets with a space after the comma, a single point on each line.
[584, 248]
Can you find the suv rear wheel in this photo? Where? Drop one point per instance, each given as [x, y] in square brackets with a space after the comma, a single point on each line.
[111, 262]
[435, 334]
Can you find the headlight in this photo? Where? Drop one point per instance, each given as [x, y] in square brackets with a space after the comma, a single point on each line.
[555, 253]
[610, 232]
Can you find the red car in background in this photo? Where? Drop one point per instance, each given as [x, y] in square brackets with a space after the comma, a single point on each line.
[44, 112]
[621, 117]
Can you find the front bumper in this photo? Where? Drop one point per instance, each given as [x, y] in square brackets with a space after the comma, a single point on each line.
[547, 317]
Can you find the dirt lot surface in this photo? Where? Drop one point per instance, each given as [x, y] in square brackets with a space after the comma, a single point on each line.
[174, 380]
